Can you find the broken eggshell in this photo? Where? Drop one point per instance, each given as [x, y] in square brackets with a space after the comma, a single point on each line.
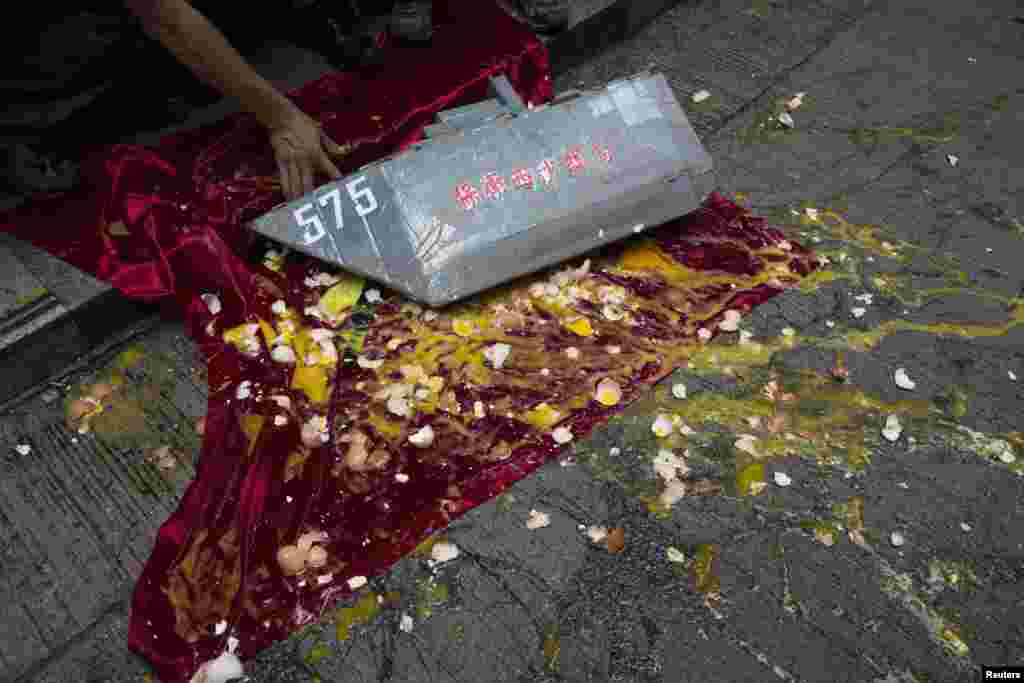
[444, 551]
[314, 432]
[497, 354]
[893, 429]
[226, 667]
[537, 520]
[730, 321]
[796, 101]
[747, 444]
[562, 435]
[668, 465]
[662, 426]
[306, 540]
[675, 555]
[903, 380]
[317, 557]
[291, 559]
[283, 354]
[422, 438]
[213, 304]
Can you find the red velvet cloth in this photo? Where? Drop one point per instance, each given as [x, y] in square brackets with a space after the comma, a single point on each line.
[165, 224]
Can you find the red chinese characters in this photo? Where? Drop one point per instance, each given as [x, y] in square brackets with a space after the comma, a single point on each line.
[494, 185]
[546, 171]
[467, 195]
[602, 153]
[522, 178]
[574, 161]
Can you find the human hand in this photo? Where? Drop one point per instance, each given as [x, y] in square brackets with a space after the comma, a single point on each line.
[302, 150]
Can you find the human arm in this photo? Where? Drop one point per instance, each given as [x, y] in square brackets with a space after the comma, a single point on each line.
[300, 146]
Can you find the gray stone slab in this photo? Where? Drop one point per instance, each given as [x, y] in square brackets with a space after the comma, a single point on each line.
[724, 47]
[69, 285]
[79, 512]
[98, 654]
[26, 303]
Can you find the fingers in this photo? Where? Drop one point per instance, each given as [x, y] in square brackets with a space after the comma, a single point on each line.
[329, 144]
[286, 181]
[299, 164]
[305, 181]
[327, 167]
[334, 149]
[294, 183]
[295, 180]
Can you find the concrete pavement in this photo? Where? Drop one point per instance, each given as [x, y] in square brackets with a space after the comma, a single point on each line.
[878, 550]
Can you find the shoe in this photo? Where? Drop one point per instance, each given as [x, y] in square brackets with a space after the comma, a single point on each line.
[546, 16]
[412, 21]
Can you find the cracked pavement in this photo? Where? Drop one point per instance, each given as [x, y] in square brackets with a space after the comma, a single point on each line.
[801, 582]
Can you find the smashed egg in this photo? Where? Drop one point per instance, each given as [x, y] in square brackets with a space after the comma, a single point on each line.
[367, 364]
[399, 406]
[291, 559]
[662, 426]
[730, 321]
[283, 354]
[562, 435]
[497, 354]
[212, 302]
[608, 393]
[903, 380]
[537, 520]
[422, 438]
[244, 390]
[443, 551]
[893, 429]
[463, 328]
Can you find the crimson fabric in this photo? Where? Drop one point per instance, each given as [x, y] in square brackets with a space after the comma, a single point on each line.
[374, 495]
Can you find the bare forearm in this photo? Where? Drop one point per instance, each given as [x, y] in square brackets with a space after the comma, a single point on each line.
[197, 44]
